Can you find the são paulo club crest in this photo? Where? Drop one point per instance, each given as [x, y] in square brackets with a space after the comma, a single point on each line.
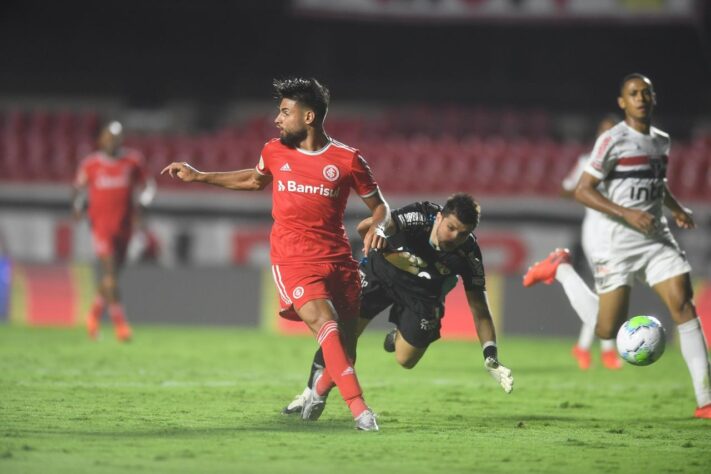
[331, 173]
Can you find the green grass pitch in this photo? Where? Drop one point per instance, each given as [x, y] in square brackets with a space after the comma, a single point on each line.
[182, 399]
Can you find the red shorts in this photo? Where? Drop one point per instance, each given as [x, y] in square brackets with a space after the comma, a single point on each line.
[107, 245]
[300, 283]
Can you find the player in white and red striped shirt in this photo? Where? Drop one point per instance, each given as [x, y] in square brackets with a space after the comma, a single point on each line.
[625, 180]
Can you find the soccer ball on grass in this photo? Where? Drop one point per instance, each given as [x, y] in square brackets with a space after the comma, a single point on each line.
[641, 340]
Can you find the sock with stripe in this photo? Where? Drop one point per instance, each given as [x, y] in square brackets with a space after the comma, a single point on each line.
[339, 369]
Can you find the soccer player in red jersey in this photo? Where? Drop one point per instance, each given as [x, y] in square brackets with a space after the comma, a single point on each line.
[111, 174]
[312, 264]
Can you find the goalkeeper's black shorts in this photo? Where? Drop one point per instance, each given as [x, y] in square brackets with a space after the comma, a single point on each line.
[414, 309]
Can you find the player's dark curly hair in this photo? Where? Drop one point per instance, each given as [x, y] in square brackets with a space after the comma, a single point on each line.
[464, 207]
[634, 75]
[307, 92]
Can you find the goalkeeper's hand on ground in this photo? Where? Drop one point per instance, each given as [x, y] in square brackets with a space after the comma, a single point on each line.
[500, 373]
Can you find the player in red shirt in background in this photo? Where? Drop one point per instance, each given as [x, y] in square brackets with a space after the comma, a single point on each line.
[111, 174]
[312, 261]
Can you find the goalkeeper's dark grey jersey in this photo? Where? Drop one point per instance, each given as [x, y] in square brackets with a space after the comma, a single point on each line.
[414, 224]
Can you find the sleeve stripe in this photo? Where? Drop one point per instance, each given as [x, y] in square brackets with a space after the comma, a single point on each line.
[372, 193]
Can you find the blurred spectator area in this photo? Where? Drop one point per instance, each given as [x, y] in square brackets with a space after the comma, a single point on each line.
[412, 149]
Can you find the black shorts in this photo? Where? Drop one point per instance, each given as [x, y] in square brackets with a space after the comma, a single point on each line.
[416, 315]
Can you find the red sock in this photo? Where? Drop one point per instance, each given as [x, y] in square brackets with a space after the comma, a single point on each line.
[339, 368]
[117, 314]
[97, 308]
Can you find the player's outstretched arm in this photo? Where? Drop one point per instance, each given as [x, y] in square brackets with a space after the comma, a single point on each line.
[587, 194]
[381, 225]
[484, 324]
[244, 180]
[682, 215]
[79, 194]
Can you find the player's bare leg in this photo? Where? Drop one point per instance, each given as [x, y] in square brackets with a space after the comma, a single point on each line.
[406, 354]
[614, 306]
[109, 284]
[320, 316]
[296, 405]
[677, 295]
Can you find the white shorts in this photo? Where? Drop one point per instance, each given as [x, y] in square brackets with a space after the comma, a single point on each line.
[651, 260]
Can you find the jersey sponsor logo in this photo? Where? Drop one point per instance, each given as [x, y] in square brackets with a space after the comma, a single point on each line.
[111, 182]
[647, 193]
[331, 173]
[298, 292]
[412, 218]
[321, 190]
[286, 167]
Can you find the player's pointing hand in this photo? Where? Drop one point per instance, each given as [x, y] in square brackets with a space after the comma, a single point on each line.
[182, 171]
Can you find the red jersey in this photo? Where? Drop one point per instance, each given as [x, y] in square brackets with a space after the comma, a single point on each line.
[111, 183]
[310, 192]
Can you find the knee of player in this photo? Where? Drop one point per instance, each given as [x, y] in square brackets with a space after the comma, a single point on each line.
[683, 310]
[407, 362]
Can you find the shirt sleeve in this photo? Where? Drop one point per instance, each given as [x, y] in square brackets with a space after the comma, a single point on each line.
[603, 158]
[411, 217]
[263, 163]
[363, 180]
[82, 176]
[473, 276]
[571, 179]
[141, 168]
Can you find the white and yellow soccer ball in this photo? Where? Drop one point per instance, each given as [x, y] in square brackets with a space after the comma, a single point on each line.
[641, 340]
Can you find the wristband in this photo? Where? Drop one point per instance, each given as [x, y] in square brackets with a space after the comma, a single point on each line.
[490, 350]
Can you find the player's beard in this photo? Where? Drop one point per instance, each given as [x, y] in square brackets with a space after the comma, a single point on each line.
[292, 139]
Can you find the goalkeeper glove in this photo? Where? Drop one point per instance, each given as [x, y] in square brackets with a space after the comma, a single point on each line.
[500, 373]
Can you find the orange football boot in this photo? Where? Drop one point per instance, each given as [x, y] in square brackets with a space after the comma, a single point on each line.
[544, 271]
[582, 356]
[610, 360]
[123, 332]
[703, 412]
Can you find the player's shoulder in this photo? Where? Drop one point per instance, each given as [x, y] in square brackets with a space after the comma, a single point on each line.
[344, 151]
[94, 158]
[471, 246]
[424, 207]
[659, 134]
[470, 252]
[616, 133]
[273, 144]
[133, 155]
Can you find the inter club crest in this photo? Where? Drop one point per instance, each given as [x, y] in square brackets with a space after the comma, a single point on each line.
[298, 292]
[331, 173]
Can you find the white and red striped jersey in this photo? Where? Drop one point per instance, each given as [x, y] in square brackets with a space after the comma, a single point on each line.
[632, 167]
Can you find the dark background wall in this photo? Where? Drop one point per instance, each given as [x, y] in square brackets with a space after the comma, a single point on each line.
[215, 51]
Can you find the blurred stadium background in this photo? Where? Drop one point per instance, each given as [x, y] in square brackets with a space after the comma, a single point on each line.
[493, 97]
